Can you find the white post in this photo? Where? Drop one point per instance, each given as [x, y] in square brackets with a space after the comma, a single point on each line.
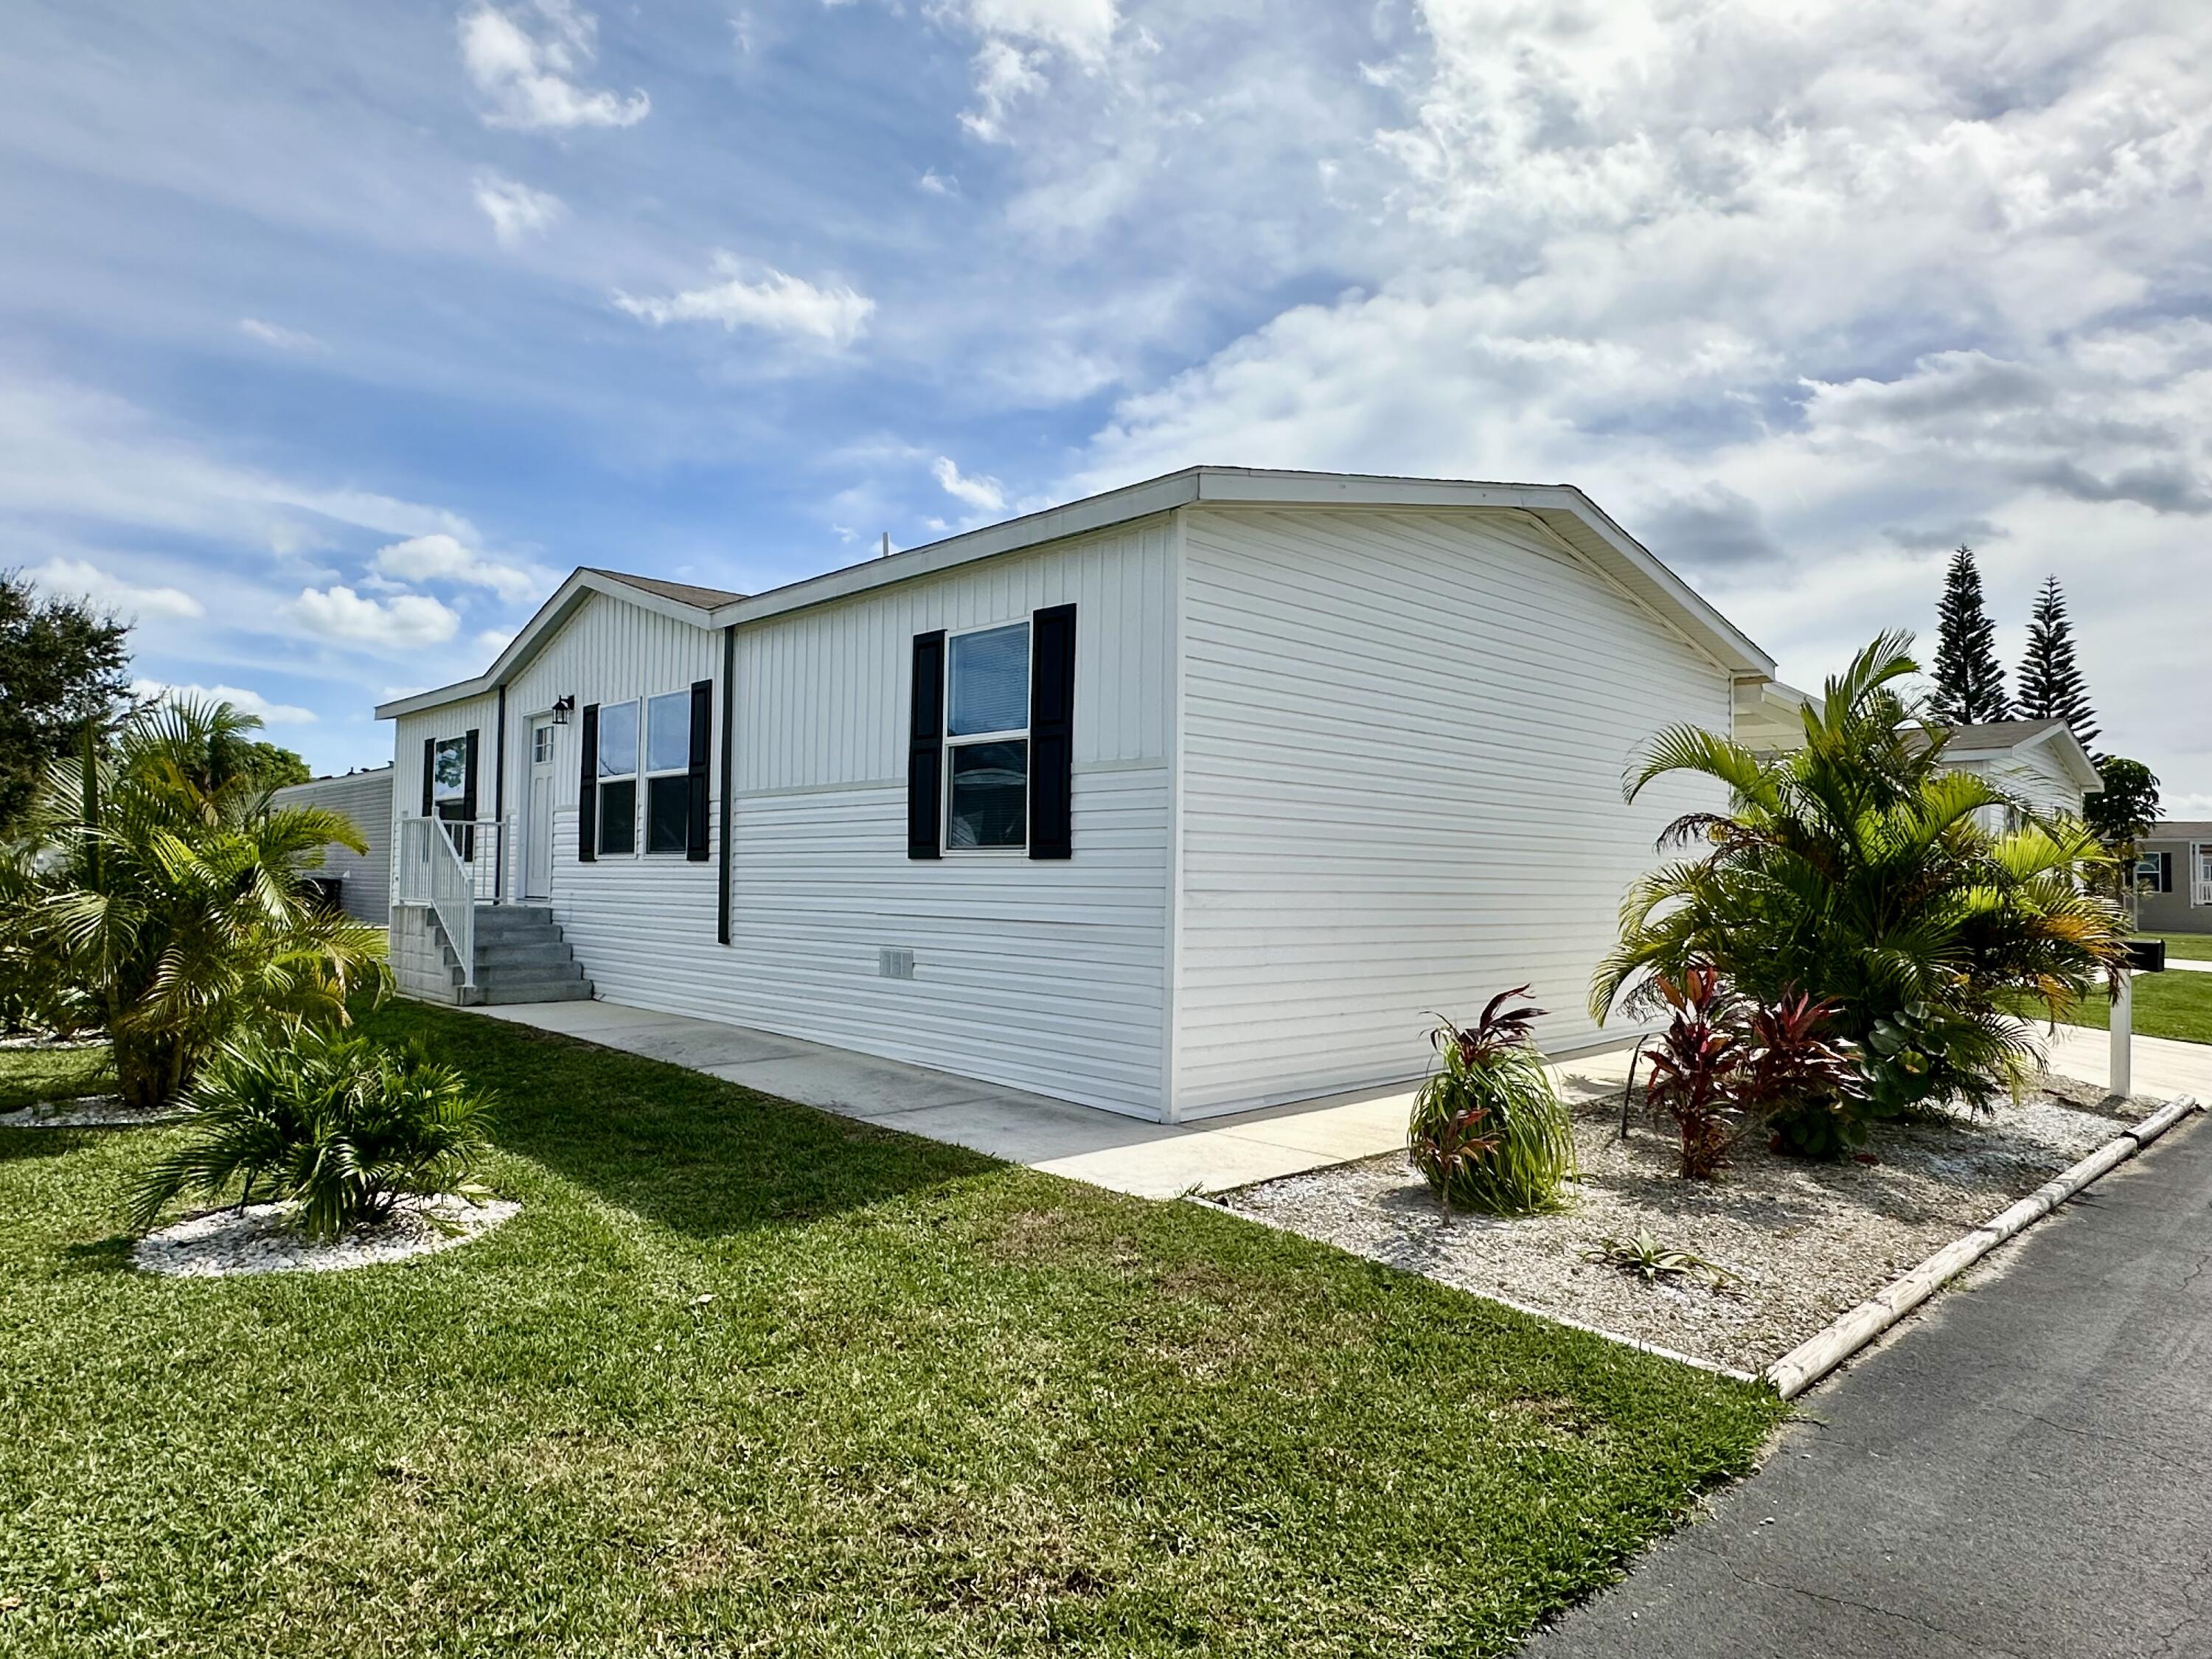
[2124, 1009]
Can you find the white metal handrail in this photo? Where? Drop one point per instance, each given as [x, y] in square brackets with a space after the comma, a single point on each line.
[450, 866]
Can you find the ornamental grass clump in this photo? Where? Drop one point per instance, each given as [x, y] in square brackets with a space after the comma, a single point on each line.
[332, 1125]
[1487, 1128]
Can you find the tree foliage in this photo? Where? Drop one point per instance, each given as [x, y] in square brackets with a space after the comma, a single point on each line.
[1969, 681]
[2052, 686]
[157, 888]
[61, 663]
[1857, 871]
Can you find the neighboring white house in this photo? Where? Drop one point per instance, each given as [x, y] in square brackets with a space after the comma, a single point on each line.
[2041, 762]
[364, 880]
[1193, 796]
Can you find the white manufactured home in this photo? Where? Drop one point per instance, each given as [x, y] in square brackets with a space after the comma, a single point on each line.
[1192, 797]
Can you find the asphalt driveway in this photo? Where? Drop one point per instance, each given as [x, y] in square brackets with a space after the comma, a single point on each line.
[2025, 1469]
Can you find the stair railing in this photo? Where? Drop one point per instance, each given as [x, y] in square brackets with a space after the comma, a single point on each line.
[433, 873]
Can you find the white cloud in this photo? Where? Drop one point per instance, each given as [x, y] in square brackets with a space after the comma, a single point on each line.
[1081, 28]
[1004, 74]
[438, 557]
[516, 211]
[937, 184]
[985, 495]
[526, 68]
[402, 623]
[284, 339]
[496, 639]
[80, 578]
[777, 304]
[251, 703]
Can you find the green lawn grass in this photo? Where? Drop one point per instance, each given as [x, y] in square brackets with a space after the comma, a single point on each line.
[2196, 947]
[2175, 1004]
[935, 1405]
[30, 1075]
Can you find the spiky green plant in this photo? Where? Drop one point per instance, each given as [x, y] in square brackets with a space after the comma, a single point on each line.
[327, 1122]
[1487, 1128]
[156, 881]
[1647, 1259]
[1857, 870]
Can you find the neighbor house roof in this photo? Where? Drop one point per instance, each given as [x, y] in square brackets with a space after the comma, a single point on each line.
[2181, 829]
[1986, 737]
[1561, 513]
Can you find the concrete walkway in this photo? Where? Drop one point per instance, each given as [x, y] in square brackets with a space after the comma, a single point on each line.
[2030, 1474]
[1154, 1160]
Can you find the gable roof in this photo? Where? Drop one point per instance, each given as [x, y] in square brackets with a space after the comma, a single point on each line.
[2017, 737]
[2181, 829]
[1561, 513]
[705, 598]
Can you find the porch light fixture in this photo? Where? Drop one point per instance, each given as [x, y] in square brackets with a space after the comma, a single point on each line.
[562, 708]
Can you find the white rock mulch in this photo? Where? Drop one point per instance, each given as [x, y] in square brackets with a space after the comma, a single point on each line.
[260, 1240]
[1806, 1241]
[85, 1112]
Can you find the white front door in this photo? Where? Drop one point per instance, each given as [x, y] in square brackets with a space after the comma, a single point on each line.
[537, 882]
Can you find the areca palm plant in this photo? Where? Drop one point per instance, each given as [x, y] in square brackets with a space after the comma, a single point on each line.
[1859, 871]
[157, 884]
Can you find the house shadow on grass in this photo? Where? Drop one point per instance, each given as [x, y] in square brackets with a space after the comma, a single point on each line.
[691, 1152]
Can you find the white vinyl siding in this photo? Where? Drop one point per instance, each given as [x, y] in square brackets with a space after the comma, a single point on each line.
[1039, 975]
[1404, 739]
[2034, 774]
[366, 799]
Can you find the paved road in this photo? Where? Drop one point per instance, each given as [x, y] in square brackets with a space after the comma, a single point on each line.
[2025, 1469]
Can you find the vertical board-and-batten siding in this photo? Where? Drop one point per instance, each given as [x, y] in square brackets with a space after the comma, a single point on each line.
[1399, 787]
[1040, 975]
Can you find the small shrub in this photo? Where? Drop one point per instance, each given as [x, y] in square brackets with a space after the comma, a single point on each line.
[1650, 1261]
[1793, 1077]
[1697, 1066]
[1487, 1129]
[332, 1124]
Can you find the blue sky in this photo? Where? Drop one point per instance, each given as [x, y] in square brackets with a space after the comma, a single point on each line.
[331, 336]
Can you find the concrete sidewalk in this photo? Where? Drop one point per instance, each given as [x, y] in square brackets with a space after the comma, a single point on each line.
[2030, 1474]
[1154, 1160]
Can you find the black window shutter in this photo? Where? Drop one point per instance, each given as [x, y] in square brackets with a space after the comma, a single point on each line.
[702, 723]
[1052, 732]
[925, 754]
[587, 790]
[468, 779]
[2166, 872]
[429, 766]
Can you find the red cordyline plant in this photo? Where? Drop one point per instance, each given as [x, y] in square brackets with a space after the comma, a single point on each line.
[1487, 1128]
[1791, 1066]
[1696, 1068]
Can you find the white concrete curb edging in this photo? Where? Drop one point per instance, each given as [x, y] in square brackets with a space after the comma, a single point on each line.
[1814, 1359]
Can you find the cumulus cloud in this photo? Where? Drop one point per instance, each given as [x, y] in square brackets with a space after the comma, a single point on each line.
[1004, 75]
[984, 494]
[775, 303]
[273, 334]
[526, 63]
[1081, 28]
[516, 211]
[404, 622]
[441, 558]
[251, 703]
[1712, 529]
[81, 578]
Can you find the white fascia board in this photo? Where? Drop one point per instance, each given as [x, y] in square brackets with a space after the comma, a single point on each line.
[1598, 538]
[2071, 755]
[581, 584]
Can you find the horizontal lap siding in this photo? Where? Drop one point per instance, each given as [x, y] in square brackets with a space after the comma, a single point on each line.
[365, 799]
[1038, 974]
[1404, 737]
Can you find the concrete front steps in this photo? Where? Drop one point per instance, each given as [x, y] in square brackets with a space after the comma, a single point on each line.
[520, 957]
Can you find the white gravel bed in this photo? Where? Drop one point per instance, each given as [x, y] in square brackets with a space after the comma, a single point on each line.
[85, 1112]
[1805, 1241]
[41, 1041]
[258, 1240]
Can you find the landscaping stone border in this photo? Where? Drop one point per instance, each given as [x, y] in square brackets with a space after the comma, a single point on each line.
[231, 1243]
[1813, 1359]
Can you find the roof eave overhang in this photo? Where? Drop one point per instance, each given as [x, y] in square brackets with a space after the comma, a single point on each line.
[1568, 517]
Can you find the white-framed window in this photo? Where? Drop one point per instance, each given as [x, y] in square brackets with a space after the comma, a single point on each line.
[986, 772]
[541, 746]
[617, 789]
[668, 773]
[2150, 873]
[449, 792]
